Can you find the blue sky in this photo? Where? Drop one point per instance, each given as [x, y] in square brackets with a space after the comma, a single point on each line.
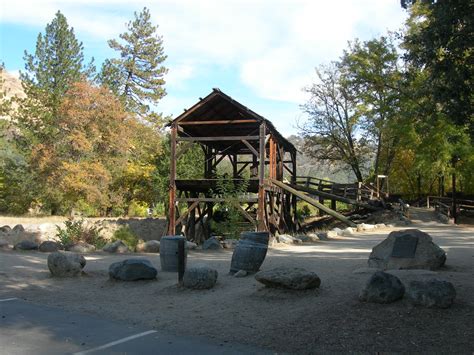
[260, 52]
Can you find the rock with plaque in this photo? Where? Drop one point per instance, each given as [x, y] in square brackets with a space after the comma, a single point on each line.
[407, 249]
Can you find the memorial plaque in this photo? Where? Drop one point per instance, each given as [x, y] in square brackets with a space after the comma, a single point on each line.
[404, 246]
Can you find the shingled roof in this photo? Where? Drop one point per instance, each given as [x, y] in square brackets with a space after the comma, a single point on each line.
[226, 112]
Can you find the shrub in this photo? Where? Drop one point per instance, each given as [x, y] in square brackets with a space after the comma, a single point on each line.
[138, 209]
[126, 235]
[75, 231]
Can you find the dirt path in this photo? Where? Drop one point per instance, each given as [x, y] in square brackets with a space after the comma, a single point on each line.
[241, 310]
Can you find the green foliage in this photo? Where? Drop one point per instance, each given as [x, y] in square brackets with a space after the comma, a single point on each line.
[76, 231]
[303, 212]
[189, 166]
[227, 220]
[126, 235]
[137, 76]
[56, 64]
[438, 41]
[138, 209]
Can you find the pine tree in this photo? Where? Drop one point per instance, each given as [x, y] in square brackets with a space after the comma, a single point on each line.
[49, 74]
[56, 64]
[137, 76]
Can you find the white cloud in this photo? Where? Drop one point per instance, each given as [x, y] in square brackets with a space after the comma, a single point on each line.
[272, 45]
[178, 74]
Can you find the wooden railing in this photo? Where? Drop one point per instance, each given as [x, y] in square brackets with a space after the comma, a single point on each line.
[356, 191]
[444, 205]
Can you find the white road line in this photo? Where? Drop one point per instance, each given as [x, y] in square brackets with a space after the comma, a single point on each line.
[8, 299]
[108, 345]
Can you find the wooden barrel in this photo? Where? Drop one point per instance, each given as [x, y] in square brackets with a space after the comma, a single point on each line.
[169, 252]
[250, 252]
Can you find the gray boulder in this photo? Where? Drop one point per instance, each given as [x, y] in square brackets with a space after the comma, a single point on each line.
[5, 229]
[308, 238]
[211, 244]
[285, 238]
[191, 245]
[432, 293]
[200, 278]
[229, 243]
[116, 247]
[26, 245]
[4, 245]
[18, 229]
[132, 270]
[65, 264]
[241, 273]
[80, 247]
[427, 254]
[49, 246]
[382, 288]
[151, 246]
[289, 277]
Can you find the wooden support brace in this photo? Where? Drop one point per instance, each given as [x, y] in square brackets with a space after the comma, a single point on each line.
[249, 146]
[190, 208]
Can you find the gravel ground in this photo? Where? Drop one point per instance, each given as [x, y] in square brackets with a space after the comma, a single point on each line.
[330, 319]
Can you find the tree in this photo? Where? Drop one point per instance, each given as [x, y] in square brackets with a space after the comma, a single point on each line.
[56, 64]
[333, 125]
[438, 40]
[371, 70]
[15, 188]
[137, 77]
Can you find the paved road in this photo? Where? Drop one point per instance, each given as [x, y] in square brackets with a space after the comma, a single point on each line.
[27, 328]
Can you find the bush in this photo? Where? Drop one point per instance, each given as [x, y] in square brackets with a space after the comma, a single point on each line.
[86, 209]
[76, 231]
[138, 209]
[126, 235]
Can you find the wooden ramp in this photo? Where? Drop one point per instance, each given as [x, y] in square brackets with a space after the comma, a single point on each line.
[311, 201]
[333, 197]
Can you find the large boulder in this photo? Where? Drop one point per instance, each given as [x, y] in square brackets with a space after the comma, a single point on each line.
[191, 245]
[382, 288]
[5, 229]
[49, 246]
[431, 293]
[211, 244]
[151, 246]
[80, 247]
[65, 264]
[200, 277]
[288, 277]
[407, 249]
[229, 243]
[26, 245]
[18, 229]
[116, 247]
[132, 270]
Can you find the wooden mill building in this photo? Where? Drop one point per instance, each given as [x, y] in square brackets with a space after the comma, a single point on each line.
[227, 130]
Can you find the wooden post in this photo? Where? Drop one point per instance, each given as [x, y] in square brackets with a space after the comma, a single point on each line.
[172, 186]
[261, 177]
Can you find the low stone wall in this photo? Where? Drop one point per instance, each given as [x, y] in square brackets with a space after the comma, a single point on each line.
[35, 230]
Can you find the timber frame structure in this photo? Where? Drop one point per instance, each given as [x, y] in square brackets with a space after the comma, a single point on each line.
[226, 129]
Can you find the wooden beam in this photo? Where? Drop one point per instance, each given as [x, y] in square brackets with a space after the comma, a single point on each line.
[243, 167]
[217, 139]
[190, 208]
[183, 149]
[213, 199]
[246, 214]
[172, 184]
[313, 202]
[261, 178]
[252, 149]
[216, 122]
